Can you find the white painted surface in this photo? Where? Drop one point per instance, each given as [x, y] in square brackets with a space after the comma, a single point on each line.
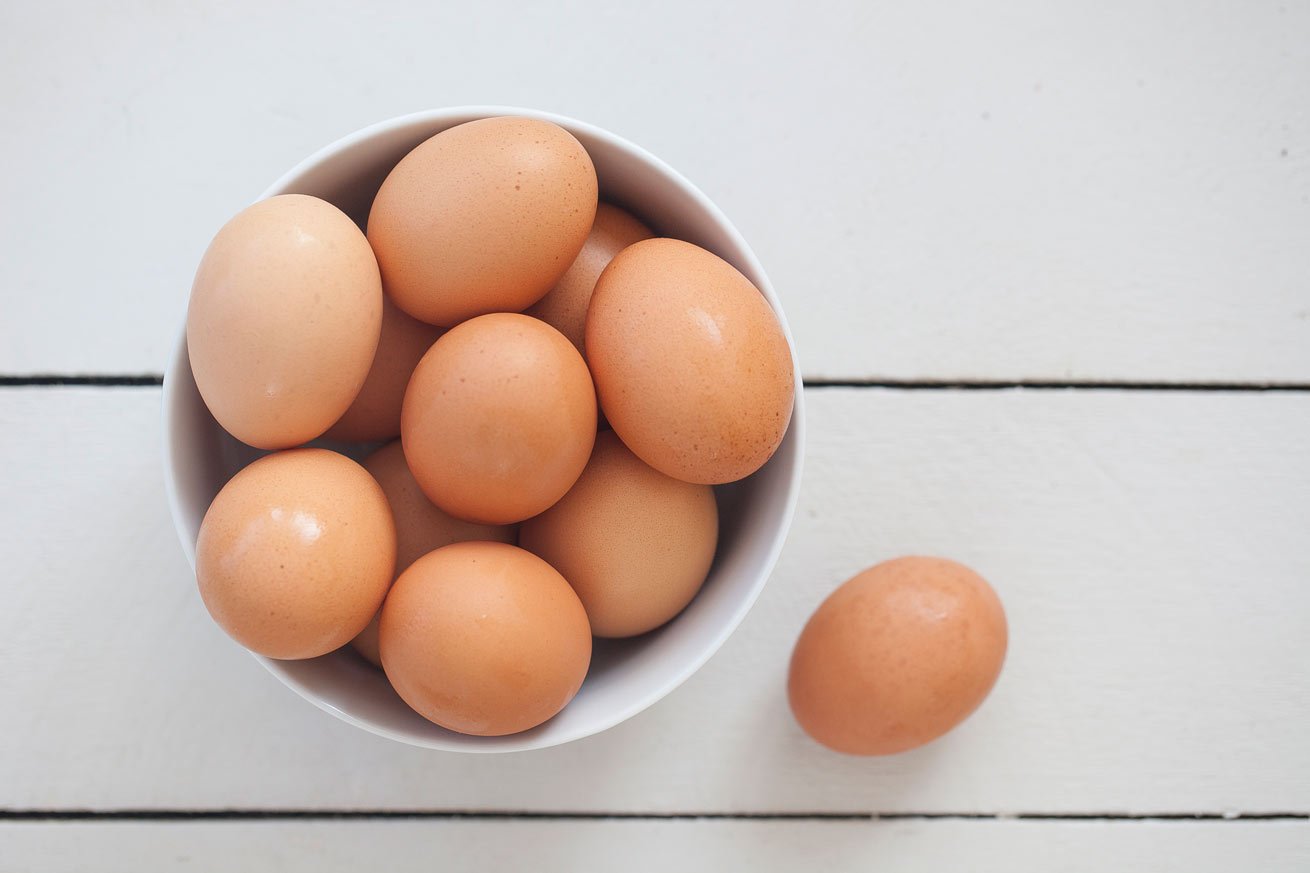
[939, 190]
[660, 846]
[1150, 549]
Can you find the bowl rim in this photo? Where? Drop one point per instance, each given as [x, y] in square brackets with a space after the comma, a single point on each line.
[529, 740]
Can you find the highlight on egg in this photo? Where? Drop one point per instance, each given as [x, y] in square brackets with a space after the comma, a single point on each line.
[692, 368]
[296, 553]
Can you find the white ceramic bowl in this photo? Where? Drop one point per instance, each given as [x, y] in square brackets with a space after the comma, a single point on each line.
[626, 676]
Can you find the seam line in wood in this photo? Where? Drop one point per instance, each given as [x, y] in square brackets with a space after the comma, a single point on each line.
[1048, 385]
[157, 379]
[486, 815]
[56, 380]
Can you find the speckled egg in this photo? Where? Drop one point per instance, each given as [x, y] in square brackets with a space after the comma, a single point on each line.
[499, 419]
[565, 306]
[484, 638]
[296, 553]
[483, 217]
[691, 365]
[897, 656]
[284, 319]
[420, 526]
[635, 544]
[375, 412]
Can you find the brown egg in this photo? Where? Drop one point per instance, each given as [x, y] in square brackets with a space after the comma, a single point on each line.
[499, 419]
[375, 413]
[897, 656]
[284, 319]
[565, 306]
[635, 544]
[691, 365]
[420, 526]
[484, 638]
[296, 553]
[483, 217]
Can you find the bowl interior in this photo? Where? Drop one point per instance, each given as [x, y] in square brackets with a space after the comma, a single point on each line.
[626, 676]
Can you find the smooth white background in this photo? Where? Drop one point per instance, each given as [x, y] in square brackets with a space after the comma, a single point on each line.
[1078, 193]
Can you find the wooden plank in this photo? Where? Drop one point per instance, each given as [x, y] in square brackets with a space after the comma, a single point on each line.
[1040, 193]
[660, 845]
[1150, 549]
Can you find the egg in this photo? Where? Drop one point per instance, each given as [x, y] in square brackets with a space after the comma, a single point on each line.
[499, 419]
[484, 638]
[375, 412]
[565, 306]
[691, 365]
[897, 656]
[483, 217]
[635, 544]
[283, 321]
[420, 526]
[296, 553]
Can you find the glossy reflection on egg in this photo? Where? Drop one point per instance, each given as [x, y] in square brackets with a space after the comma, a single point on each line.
[296, 553]
[692, 367]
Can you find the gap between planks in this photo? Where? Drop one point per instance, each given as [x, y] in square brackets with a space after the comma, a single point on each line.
[141, 815]
[151, 380]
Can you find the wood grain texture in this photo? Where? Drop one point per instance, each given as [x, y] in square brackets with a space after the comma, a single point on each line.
[1058, 192]
[1150, 550]
[638, 846]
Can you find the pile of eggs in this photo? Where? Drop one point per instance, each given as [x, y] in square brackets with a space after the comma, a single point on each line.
[547, 392]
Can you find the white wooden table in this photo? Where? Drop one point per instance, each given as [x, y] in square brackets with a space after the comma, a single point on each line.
[1043, 263]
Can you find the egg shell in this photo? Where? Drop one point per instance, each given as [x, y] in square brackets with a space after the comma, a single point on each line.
[483, 217]
[375, 412]
[691, 366]
[565, 306]
[296, 553]
[635, 544]
[499, 419]
[284, 319]
[897, 656]
[420, 527]
[484, 638]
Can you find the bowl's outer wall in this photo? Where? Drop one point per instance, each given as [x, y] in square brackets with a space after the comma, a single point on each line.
[626, 676]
